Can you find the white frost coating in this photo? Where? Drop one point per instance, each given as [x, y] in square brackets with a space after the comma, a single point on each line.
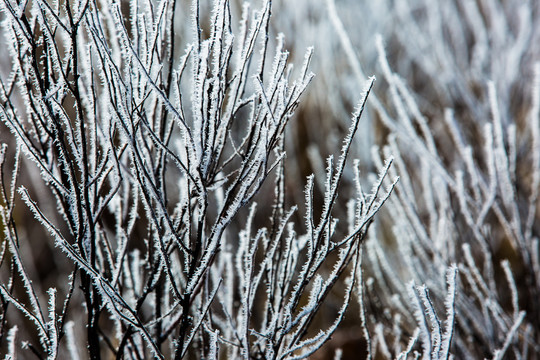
[425, 334]
[51, 326]
[11, 340]
[449, 303]
[73, 347]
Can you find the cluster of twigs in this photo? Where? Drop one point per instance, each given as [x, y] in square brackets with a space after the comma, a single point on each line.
[148, 159]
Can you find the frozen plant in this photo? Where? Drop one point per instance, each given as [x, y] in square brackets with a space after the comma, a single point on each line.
[147, 156]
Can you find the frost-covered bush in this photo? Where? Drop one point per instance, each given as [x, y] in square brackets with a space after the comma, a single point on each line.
[152, 158]
[156, 196]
